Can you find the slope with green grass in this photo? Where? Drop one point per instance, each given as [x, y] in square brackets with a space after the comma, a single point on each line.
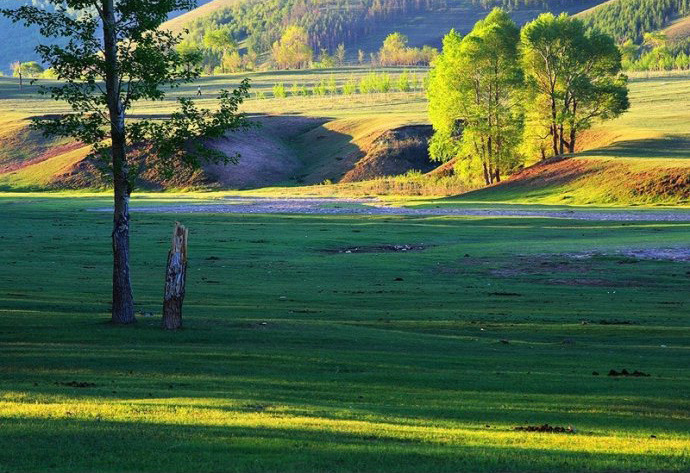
[631, 19]
[256, 24]
[642, 157]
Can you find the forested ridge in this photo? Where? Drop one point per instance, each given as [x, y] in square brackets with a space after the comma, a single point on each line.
[631, 19]
[328, 22]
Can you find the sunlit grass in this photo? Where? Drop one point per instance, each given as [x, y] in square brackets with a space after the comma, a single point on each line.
[297, 359]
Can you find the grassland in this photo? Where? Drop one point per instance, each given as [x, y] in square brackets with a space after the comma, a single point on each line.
[298, 357]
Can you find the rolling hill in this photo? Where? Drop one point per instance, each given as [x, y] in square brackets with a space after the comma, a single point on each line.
[18, 41]
[359, 25]
[641, 158]
[631, 19]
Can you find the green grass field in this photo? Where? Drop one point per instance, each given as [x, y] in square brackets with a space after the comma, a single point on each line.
[298, 357]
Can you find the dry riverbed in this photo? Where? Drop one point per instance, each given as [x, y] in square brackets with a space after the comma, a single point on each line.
[332, 206]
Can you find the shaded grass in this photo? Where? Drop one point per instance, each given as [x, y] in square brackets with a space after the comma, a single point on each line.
[294, 359]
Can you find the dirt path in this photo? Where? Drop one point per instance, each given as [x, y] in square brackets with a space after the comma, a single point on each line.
[330, 206]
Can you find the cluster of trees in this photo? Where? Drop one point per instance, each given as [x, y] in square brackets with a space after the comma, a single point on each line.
[656, 54]
[371, 83]
[396, 52]
[292, 51]
[327, 23]
[499, 96]
[513, 4]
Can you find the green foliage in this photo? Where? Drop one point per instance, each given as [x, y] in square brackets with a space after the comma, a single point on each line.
[632, 19]
[395, 52]
[27, 69]
[292, 51]
[574, 77]
[474, 99]
[145, 60]
[279, 90]
[339, 54]
[350, 86]
[403, 82]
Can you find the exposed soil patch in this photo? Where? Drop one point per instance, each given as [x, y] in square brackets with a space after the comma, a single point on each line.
[393, 153]
[257, 205]
[75, 384]
[377, 249]
[545, 428]
[626, 373]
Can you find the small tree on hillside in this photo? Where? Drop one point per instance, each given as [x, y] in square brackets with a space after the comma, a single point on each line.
[18, 72]
[573, 76]
[393, 49]
[116, 55]
[340, 54]
[221, 41]
[292, 51]
[27, 69]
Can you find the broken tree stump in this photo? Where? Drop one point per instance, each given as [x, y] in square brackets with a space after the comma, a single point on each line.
[175, 278]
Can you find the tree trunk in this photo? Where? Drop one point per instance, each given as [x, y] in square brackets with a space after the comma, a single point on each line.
[573, 131]
[486, 174]
[554, 125]
[561, 141]
[175, 279]
[571, 145]
[123, 301]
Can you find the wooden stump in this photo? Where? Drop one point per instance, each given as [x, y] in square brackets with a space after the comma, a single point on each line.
[175, 278]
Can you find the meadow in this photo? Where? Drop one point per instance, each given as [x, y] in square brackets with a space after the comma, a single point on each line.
[310, 346]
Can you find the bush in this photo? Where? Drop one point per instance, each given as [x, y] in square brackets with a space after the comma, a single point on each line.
[279, 90]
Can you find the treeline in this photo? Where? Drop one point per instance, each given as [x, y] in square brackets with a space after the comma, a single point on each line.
[656, 55]
[327, 23]
[372, 83]
[632, 19]
[515, 4]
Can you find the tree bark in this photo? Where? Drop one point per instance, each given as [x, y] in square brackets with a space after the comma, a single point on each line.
[175, 279]
[123, 300]
[571, 144]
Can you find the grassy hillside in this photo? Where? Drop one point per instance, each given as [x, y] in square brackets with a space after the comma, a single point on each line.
[631, 19]
[256, 24]
[640, 158]
[18, 42]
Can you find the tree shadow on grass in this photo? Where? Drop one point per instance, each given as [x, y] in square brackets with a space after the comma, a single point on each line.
[37, 444]
[672, 146]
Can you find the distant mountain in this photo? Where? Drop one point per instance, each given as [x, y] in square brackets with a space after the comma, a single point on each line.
[631, 19]
[17, 42]
[359, 24]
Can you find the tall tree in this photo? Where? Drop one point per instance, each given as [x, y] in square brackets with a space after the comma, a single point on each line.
[293, 50]
[573, 77]
[221, 41]
[114, 56]
[474, 98]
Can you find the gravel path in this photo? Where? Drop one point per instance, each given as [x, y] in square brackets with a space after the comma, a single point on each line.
[330, 206]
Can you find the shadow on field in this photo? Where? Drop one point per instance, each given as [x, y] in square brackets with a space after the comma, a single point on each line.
[149, 446]
[674, 146]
